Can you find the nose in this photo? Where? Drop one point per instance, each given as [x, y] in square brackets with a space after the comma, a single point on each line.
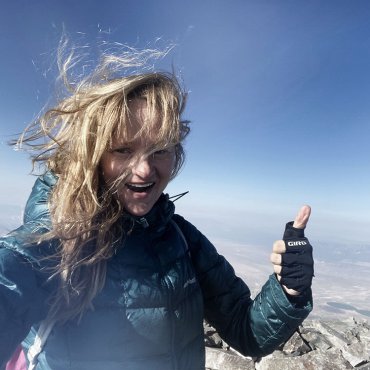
[143, 167]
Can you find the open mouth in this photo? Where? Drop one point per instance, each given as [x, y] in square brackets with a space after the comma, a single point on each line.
[140, 188]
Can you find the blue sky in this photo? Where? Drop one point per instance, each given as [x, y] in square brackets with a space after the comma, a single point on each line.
[279, 99]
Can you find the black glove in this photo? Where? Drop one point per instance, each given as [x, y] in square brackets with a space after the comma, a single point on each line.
[297, 262]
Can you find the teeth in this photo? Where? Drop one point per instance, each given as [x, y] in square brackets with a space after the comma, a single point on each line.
[141, 185]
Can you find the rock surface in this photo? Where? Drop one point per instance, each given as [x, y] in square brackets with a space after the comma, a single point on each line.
[317, 345]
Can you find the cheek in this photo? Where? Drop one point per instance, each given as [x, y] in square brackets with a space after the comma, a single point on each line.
[111, 168]
[166, 168]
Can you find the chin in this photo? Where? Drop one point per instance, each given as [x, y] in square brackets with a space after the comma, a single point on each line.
[138, 210]
[140, 207]
[139, 213]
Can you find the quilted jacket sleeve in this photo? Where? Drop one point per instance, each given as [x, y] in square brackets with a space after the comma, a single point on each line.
[253, 327]
[23, 289]
[22, 300]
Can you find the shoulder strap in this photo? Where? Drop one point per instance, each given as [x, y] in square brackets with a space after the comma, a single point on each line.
[177, 227]
[39, 343]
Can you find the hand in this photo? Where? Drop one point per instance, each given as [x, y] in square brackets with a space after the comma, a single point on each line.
[292, 256]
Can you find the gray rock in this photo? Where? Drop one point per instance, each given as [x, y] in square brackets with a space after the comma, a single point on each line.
[296, 346]
[219, 359]
[353, 350]
[315, 339]
[364, 367]
[212, 338]
[316, 345]
[317, 360]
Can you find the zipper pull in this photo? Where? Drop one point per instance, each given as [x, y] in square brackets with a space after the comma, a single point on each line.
[143, 222]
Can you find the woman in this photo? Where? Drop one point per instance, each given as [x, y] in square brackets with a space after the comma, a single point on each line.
[103, 274]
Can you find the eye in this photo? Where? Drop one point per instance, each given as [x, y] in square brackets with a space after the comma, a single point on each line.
[163, 153]
[123, 152]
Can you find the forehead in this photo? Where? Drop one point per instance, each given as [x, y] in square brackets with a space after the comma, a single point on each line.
[141, 123]
[138, 111]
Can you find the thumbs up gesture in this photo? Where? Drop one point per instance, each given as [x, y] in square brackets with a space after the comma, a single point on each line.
[292, 257]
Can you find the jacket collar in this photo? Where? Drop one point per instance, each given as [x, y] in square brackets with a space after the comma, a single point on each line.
[155, 220]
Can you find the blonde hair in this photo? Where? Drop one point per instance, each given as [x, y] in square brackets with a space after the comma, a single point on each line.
[70, 139]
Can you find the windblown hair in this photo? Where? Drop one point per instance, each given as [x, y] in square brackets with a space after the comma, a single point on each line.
[70, 139]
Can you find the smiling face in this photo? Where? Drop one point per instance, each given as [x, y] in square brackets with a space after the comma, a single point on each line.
[147, 171]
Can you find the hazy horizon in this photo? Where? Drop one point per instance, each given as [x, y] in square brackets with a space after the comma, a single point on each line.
[333, 298]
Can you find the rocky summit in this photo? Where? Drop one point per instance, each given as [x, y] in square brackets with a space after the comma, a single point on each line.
[316, 345]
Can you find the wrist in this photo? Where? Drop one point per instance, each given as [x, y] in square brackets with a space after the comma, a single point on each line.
[300, 300]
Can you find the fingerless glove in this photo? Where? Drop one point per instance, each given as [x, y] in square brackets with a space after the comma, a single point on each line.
[297, 262]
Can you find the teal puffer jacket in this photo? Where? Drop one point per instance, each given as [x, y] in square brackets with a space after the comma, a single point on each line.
[149, 314]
